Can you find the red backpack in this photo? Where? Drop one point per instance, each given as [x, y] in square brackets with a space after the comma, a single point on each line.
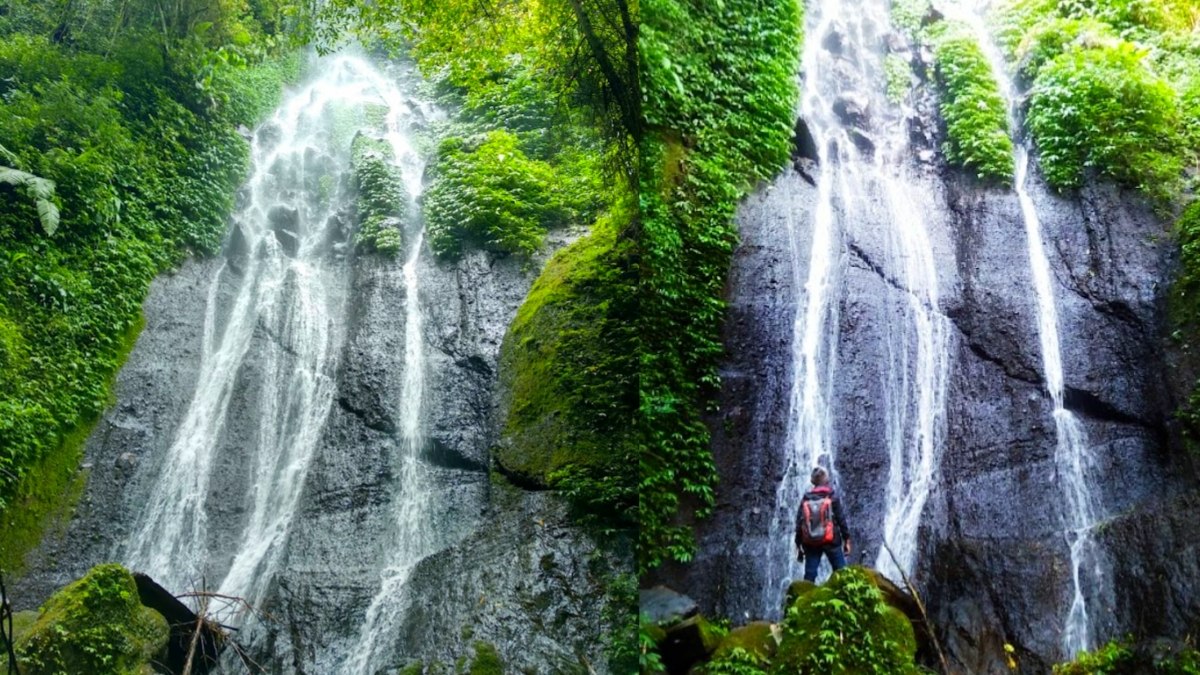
[816, 517]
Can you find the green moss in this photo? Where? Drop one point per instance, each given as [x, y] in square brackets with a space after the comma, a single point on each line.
[567, 373]
[755, 638]
[846, 627]
[977, 134]
[486, 660]
[797, 589]
[94, 625]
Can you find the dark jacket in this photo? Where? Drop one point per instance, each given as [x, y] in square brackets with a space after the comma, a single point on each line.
[841, 530]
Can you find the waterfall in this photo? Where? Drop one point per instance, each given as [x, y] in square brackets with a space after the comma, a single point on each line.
[274, 329]
[1073, 454]
[861, 154]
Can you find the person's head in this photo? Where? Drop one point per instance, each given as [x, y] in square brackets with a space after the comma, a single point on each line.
[820, 476]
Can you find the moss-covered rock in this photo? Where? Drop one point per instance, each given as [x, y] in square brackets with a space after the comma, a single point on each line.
[568, 376]
[95, 625]
[486, 661]
[845, 627]
[795, 590]
[756, 638]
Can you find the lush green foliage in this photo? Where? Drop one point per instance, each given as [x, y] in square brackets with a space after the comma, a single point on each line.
[382, 200]
[1101, 108]
[845, 627]
[1117, 658]
[977, 133]
[140, 141]
[488, 192]
[719, 91]
[649, 635]
[1114, 88]
[95, 625]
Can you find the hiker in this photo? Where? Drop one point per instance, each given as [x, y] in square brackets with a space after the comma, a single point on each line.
[821, 527]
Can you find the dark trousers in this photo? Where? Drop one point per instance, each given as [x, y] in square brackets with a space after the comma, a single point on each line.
[812, 559]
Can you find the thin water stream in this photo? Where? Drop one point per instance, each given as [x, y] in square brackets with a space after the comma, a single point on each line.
[1073, 453]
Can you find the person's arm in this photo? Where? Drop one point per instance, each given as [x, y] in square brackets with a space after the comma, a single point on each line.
[839, 518]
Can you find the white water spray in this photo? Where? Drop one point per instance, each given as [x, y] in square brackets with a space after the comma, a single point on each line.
[1073, 454]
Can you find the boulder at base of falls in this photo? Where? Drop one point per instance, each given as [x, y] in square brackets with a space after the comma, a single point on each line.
[661, 605]
[94, 625]
[858, 606]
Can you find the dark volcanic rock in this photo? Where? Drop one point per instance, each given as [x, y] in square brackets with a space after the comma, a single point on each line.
[989, 579]
[512, 568]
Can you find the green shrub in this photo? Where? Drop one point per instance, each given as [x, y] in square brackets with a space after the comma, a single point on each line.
[382, 200]
[95, 625]
[737, 661]
[488, 192]
[846, 627]
[1102, 109]
[1118, 658]
[977, 133]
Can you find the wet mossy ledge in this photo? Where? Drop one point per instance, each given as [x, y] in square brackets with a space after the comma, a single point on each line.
[94, 625]
[854, 623]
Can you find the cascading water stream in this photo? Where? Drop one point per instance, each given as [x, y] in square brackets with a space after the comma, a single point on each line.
[283, 315]
[412, 538]
[1073, 453]
[853, 168]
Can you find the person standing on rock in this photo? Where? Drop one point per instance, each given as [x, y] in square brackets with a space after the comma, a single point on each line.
[821, 527]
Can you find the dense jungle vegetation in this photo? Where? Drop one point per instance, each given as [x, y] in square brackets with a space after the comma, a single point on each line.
[119, 155]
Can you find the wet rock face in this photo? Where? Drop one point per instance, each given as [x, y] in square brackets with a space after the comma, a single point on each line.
[521, 553]
[993, 561]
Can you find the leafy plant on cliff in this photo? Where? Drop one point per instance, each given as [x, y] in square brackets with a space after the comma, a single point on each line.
[1113, 89]
[719, 93]
[977, 133]
[382, 201]
[488, 192]
[1117, 658]
[1102, 109]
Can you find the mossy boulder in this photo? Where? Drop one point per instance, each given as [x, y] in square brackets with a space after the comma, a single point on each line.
[486, 661]
[568, 377]
[795, 590]
[94, 625]
[847, 627]
[756, 638]
[689, 642]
